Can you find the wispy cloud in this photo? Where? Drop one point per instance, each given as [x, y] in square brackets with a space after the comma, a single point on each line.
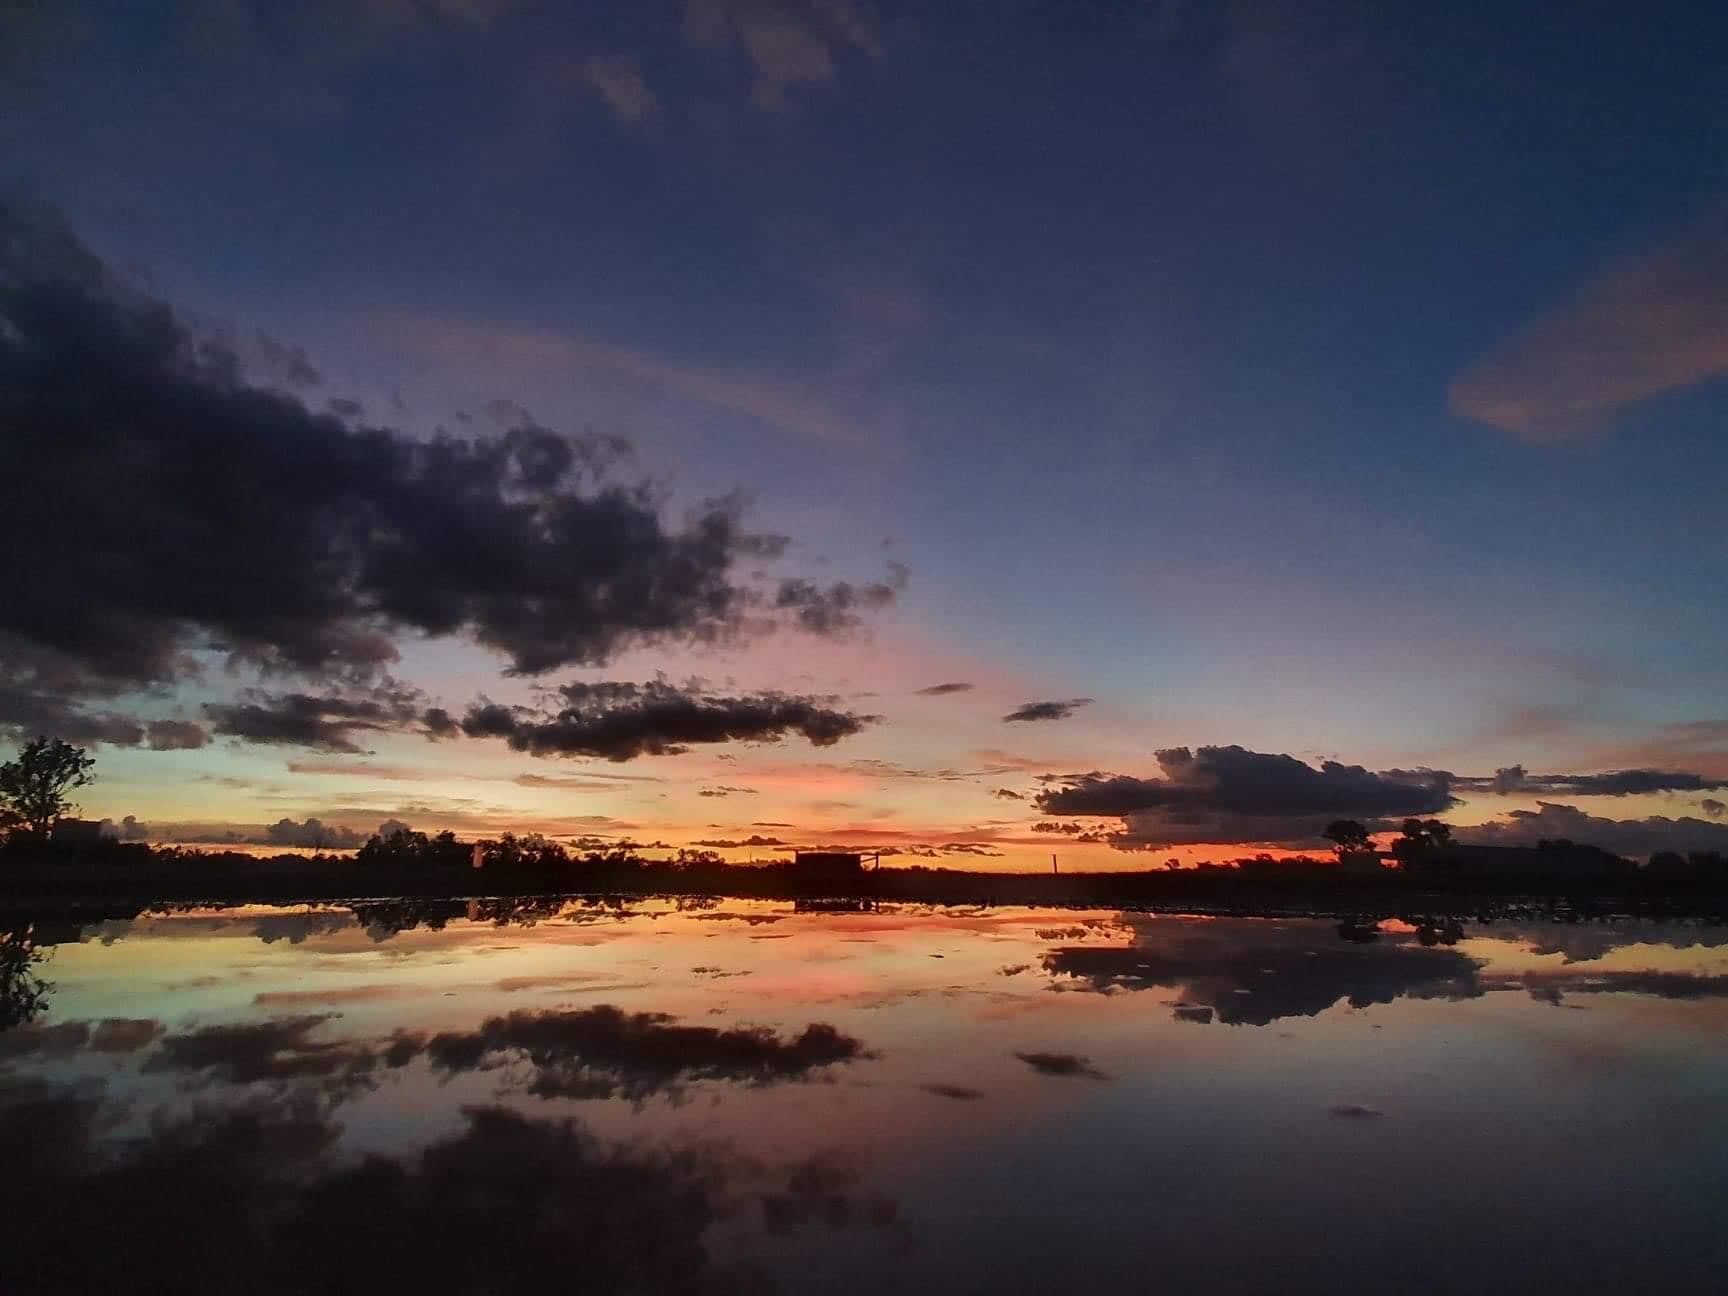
[1646, 325]
[617, 79]
[788, 42]
[779, 402]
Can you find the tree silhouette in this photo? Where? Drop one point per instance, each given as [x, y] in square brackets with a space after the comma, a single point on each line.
[34, 785]
[1420, 840]
[23, 994]
[1347, 836]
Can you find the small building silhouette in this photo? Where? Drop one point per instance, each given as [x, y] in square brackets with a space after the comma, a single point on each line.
[838, 867]
[76, 832]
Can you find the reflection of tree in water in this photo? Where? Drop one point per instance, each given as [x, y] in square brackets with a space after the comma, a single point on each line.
[515, 911]
[257, 1198]
[23, 994]
[383, 919]
[1254, 971]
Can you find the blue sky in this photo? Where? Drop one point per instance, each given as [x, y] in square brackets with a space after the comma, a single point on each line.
[1334, 379]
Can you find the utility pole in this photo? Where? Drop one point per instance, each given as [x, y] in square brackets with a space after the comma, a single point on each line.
[1053, 868]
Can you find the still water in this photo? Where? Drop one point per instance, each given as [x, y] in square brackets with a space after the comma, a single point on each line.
[726, 1096]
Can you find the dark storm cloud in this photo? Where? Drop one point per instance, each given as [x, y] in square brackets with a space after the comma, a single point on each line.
[1515, 780]
[176, 506]
[604, 1052]
[327, 722]
[755, 839]
[1622, 836]
[37, 697]
[943, 690]
[1047, 710]
[1231, 794]
[621, 721]
[26, 709]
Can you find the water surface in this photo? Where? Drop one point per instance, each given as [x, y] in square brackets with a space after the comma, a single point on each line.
[681, 1096]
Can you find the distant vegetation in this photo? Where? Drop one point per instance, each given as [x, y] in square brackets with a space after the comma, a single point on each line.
[1423, 859]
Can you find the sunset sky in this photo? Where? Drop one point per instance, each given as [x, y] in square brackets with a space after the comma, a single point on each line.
[941, 413]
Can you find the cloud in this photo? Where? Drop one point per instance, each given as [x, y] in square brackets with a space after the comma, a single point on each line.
[1514, 780]
[1233, 795]
[312, 833]
[363, 769]
[176, 735]
[1621, 836]
[943, 690]
[1047, 710]
[324, 723]
[837, 608]
[724, 791]
[755, 839]
[127, 830]
[177, 507]
[788, 42]
[622, 721]
[1712, 807]
[585, 782]
[771, 399]
[1689, 744]
[604, 1052]
[1008, 794]
[1647, 325]
[617, 79]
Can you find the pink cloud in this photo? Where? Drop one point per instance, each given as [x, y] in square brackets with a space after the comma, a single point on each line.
[1646, 325]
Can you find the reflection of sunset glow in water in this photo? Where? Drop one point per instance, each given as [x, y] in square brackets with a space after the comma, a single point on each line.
[954, 1070]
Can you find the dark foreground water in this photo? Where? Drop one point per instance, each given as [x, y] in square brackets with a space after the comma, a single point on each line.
[678, 1097]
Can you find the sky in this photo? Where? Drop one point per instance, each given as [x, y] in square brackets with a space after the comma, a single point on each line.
[1285, 383]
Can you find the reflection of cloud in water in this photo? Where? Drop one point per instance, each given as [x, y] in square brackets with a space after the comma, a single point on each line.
[1253, 972]
[505, 1203]
[604, 1052]
[277, 1051]
[1061, 1064]
[1552, 987]
[960, 1092]
[1584, 942]
[112, 1035]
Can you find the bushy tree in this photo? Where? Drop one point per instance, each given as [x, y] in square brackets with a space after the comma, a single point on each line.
[1346, 835]
[34, 785]
[1422, 840]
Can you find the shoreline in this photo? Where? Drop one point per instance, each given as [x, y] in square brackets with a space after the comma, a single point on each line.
[77, 885]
